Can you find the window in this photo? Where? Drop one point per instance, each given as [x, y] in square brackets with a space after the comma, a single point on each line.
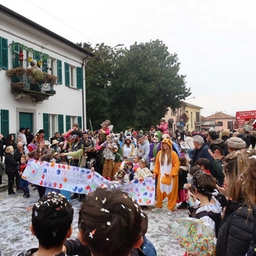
[73, 120]
[4, 122]
[3, 53]
[197, 116]
[15, 56]
[79, 121]
[230, 125]
[72, 77]
[53, 124]
[220, 123]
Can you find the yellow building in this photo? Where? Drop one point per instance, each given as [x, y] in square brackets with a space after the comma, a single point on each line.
[187, 117]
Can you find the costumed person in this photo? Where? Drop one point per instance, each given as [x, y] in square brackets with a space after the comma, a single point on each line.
[118, 157]
[166, 169]
[163, 127]
[128, 148]
[143, 171]
[105, 130]
[155, 147]
[110, 148]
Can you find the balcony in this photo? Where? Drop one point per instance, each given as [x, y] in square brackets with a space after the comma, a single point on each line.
[31, 82]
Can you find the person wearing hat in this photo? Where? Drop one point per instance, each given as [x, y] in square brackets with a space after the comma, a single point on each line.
[166, 169]
[11, 168]
[55, 146]
[128, 148]
[234, 144]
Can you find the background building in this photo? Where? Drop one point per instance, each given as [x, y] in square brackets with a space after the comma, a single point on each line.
[39, 103]
[187, 117]
[218, 122]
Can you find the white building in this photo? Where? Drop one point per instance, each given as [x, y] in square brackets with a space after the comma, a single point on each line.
[38, 105]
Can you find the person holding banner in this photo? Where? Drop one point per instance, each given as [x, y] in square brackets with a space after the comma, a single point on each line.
[166, 169]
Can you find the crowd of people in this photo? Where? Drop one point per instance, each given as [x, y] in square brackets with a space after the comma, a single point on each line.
[212, 174]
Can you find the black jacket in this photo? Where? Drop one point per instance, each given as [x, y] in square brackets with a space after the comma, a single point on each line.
[252, 250]
[10, 164]
[235, 232]
[75, 247]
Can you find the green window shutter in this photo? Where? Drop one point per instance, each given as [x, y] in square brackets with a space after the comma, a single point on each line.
[36, 56]
[60, 124]
[79, 121]
[5, 122]
[68, 126]
[15, 56]
[46, 125]
[79, 78]
[4, 53]
[59, 71]
[67, 78]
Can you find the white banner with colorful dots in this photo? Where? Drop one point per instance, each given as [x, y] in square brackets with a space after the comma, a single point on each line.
[84, 181]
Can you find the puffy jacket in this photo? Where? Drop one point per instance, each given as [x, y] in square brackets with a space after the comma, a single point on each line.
[252, 250]
[235, 232]
[10, 164]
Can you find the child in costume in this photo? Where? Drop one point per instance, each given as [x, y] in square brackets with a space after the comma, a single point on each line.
[163, 127]
[142, 172]
[110, 148]
[166, 169]
[52, 216]
[136, 162]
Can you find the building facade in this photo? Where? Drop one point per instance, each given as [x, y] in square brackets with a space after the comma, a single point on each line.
[185, 118]
[218, 122]
[52, 97]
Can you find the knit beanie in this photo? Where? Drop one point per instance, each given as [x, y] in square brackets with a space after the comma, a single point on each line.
[235, 142]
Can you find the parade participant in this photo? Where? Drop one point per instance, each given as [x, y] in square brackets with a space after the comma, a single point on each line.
[128, 148]
[163, 127]
[23, 183]
[143, 148]
[204, 165]
[110, 148]
[136, 161]
[10, 141]
[105, 127]
[143, 171]
[155, 147]
[52, 217]
[10, 168]
[40, 136]
[99, 223]
[166, 169]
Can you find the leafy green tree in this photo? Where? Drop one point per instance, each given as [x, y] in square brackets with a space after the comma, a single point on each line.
[133, 87]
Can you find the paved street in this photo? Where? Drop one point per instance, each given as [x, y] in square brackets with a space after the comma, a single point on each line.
[15, 218]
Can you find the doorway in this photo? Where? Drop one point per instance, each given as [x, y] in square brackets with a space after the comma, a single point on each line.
[26, 120]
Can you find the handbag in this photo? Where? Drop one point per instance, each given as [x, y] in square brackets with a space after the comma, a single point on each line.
[166, 180]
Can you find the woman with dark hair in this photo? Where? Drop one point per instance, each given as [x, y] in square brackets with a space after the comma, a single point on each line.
[29, 135]
[235, 232]
[10, 141]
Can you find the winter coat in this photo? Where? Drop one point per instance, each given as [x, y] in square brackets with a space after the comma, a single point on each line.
[10, 164]
[201, 153]
[252, 250]
[235, 233]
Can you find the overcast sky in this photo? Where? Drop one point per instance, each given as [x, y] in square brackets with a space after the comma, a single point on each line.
[215, 39]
